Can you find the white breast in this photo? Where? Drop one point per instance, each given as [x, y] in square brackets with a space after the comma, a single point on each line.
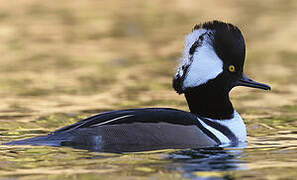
[235, 125]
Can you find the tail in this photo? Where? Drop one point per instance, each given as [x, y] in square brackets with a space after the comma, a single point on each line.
[48, 140]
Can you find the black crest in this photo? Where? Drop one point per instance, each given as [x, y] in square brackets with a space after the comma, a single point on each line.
[228, 42]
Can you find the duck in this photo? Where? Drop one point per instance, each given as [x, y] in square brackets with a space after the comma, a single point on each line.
[211, 65]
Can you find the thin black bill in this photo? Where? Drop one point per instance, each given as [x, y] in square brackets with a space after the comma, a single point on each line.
[245, 81]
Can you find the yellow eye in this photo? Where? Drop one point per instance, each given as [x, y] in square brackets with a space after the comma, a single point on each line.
[232, 68]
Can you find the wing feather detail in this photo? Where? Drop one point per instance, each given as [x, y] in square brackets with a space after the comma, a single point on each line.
[112, 120]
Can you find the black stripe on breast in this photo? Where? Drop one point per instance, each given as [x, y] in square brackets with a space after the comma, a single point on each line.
[207, 132]
[223, 129]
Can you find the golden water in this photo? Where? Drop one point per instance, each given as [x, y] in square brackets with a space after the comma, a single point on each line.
[65, 60]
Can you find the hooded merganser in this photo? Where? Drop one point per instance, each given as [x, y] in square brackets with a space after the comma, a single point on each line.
[212, 64]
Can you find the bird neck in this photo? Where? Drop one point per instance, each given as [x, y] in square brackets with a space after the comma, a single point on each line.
[210, 103]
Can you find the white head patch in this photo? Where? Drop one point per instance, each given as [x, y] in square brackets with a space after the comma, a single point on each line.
[204, 64]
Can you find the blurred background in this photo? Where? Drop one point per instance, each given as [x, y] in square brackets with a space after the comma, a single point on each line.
[65, 60]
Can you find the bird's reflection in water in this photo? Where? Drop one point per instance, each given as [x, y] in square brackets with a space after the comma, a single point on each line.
[189, 161]
[218, 159]
[208, 159]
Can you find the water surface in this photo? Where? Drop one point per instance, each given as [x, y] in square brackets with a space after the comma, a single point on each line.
[64, 61]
